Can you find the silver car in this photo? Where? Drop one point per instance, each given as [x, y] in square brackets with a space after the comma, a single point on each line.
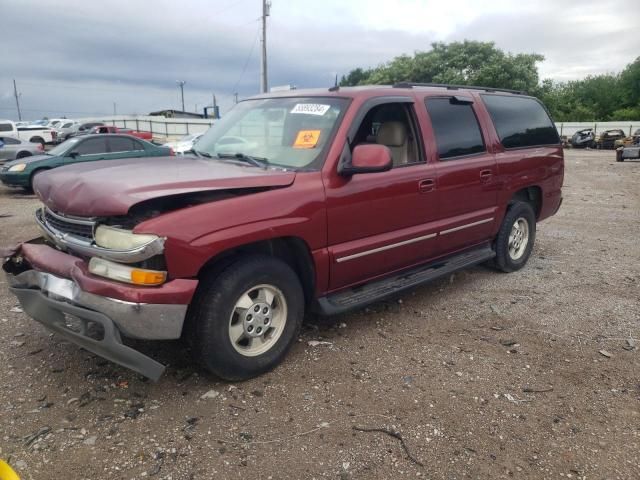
[65, 129]
[12, 148]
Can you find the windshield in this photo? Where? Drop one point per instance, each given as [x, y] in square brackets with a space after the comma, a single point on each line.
[286, 132]
[64, 147]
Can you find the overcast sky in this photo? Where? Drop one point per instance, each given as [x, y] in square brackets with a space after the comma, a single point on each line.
[79, 57]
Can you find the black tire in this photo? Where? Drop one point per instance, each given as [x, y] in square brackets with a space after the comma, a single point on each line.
[504, 260]
[22, 155]
[213, 314]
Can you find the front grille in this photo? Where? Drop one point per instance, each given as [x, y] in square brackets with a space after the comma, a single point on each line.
[79, 228]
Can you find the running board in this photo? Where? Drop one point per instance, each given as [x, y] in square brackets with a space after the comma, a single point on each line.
[357, 297]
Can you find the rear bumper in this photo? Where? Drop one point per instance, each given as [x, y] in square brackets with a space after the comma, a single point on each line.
[54, 290]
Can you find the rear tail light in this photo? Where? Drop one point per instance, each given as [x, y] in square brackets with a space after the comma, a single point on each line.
[40, 147]
[171, 152]
[54, 134]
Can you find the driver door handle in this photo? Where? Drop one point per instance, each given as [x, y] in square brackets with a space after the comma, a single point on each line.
[485, 175]
[427, 185]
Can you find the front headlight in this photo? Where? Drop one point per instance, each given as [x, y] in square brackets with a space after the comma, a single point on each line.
[118, 239]
[123, 273]
[19, 167]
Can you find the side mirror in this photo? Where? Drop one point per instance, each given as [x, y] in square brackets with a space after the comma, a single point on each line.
[73, 155]
[368, 158]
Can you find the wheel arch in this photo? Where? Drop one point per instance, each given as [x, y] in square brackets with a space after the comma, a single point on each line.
[294, 251]
[532, 195]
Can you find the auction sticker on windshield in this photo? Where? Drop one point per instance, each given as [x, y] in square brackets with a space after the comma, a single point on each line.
[311, 108]
[307, 139]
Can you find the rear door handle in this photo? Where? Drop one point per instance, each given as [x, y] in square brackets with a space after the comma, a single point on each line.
[426, 185]
[485, 175]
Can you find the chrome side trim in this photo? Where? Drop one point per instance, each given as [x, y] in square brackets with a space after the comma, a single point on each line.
[135, 320]
[412, 240]
[386, 247]
[468, 225]
[87, 248]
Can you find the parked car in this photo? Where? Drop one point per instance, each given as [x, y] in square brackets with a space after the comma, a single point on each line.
[55, 122]
[65, 129]
[112, 129]
[184, 144]
[340, 198]
[21, 173]
[628, 141]
[583, 139]
[31, 133]
[631, 151]
[13, 148]
[607, 139]
[84, 128]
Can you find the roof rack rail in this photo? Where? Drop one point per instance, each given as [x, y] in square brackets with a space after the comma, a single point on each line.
[456, 87]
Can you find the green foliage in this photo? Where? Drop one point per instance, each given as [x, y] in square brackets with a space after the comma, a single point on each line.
[594, 98]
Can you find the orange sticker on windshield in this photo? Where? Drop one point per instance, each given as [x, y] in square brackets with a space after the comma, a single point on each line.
[307, 139]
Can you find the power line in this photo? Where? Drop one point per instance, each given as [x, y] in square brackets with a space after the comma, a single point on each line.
[246, 63]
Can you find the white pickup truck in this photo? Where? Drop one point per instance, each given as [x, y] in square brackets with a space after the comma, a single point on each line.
[29, 133]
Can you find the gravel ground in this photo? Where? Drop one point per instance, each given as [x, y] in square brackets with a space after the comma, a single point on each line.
[482, 375]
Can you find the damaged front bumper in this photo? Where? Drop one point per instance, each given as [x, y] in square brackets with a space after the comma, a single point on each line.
[68, 300]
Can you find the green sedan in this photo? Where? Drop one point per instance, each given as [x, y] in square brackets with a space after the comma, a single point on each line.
[88, 148]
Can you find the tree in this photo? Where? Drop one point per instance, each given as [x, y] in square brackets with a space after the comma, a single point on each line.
[594, 98]
[462, 63]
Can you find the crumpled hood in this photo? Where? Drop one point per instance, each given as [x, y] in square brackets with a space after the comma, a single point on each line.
[112, 187]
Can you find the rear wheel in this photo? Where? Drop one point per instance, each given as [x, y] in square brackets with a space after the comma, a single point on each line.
[515, 238]
[247, 317]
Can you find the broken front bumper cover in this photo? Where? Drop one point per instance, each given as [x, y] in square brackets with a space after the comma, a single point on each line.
[61, 305]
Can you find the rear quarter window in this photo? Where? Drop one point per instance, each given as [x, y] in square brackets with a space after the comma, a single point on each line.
[6, 127]
[520, 121]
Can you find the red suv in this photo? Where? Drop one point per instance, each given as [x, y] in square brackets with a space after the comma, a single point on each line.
[320, 200]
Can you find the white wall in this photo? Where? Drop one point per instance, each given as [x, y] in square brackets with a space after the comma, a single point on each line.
[163, 129]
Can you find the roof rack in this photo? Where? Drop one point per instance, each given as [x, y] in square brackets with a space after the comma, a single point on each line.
[456, 87]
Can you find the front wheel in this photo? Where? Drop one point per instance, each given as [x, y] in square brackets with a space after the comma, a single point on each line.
[247, 317]
[516, 237]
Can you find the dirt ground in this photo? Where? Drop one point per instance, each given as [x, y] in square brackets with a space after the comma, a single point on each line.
[482, 375]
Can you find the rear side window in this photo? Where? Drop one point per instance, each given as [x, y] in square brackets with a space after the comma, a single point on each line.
[520, 121]
[123, 144]
[456, 128]
[6, 127]
[92, 146]
[10, 141]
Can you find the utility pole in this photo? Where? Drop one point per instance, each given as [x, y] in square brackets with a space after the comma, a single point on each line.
[15, 94]
[264, 85]
[181, 85]
[114, 109]
[235, 97]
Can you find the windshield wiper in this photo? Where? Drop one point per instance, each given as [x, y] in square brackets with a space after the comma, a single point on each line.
[255, 161]
[198, 153]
